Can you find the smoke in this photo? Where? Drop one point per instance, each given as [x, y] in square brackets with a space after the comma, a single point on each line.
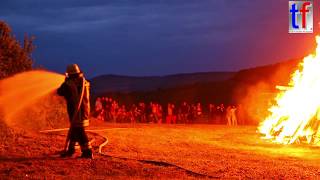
[257, 90]
[26, 94]
[257, 99]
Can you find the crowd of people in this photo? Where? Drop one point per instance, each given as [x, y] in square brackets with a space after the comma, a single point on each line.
[110, 110]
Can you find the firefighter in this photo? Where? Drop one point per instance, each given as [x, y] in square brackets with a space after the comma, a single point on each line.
[75, 89]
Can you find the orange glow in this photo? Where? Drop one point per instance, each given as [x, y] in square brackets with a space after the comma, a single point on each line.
[23, 89]
[295, 117]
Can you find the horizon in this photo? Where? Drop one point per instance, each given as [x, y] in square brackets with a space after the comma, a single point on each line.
[199, 72]
[165, 75]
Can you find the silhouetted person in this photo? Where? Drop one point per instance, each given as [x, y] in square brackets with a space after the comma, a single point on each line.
[184, 110]
[155, 112]
[108, 105]
[142, 112]
[212, 111]
[229, 115]
[234, 119]
[170, 114]
[98, 109]
[149, 112]
[198, 111]
[75, 89]
[221, 114]
[133, 114]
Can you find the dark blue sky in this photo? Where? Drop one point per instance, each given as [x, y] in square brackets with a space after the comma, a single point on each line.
[157, 37]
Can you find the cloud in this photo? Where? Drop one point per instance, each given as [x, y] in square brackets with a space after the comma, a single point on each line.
[121, 36]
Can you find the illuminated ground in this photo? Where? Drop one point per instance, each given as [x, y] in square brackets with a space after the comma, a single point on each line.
[172, 152]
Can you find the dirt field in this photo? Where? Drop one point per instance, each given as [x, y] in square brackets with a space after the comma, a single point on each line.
[161, 151]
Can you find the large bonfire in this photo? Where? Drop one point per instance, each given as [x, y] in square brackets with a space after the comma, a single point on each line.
[295, 117]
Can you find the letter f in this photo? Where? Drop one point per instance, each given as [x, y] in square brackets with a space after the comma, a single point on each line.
[293, 11]
[304, 11]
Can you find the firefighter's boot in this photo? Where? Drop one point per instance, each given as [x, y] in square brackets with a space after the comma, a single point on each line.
[67, 153]
[87, 154]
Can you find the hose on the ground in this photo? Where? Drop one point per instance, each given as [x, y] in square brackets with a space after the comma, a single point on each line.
[106, 141]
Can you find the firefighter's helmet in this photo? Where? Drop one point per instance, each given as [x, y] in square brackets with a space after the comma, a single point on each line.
[73, 69]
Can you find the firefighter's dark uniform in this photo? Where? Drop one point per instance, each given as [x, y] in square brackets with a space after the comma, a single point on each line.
[75, 89]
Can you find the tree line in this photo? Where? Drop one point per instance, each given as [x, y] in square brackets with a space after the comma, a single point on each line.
[14, 56]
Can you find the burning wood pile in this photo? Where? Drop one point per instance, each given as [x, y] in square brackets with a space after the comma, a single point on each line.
[295, 117]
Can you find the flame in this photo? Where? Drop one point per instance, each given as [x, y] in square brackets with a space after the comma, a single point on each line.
[296, 115]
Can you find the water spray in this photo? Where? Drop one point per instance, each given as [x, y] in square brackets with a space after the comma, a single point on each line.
[22, 90]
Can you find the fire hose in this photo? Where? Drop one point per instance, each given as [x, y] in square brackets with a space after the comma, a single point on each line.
[106, 141]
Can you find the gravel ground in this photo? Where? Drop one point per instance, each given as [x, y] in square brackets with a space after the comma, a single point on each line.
[160, 152]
